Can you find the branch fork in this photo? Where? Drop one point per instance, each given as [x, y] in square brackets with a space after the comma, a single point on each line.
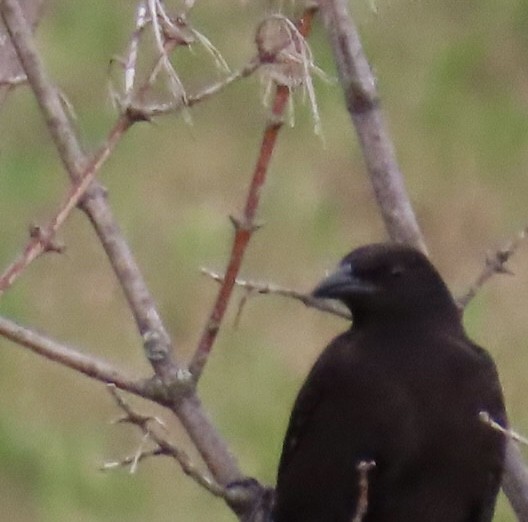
[150, 426]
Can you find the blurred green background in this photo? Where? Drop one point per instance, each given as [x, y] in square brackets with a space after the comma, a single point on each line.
[454, 82]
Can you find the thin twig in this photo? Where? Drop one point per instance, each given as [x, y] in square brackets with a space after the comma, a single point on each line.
[73, 158]
[132, 460]
[162, 25]
[72, 155]
[148, 425]
[324, 305]
[495, 264]
[363, 468]
[486, 418]
[215, 88]
[132, 55]
[246, 225]
[89, 365]
[41, 241]
[151, 110]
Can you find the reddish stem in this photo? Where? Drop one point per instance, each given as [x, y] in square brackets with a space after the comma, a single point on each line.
[42, 237]
[245, 226]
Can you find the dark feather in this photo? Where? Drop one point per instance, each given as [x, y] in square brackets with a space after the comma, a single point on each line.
[403, 387]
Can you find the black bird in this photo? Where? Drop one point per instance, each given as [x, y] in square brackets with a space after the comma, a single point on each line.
[403, 388]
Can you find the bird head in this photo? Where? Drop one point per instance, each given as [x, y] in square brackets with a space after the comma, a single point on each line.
[391, 280]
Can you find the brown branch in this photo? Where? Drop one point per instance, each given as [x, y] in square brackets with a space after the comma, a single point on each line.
[244, 229]
[152, 110]
[495, 264]
[147, 424]
[245, 226]
[42, 239]
[215, 88]
[89, 365]
[362, 100]
[73, 158]
[323, 305]
[104, 372]
[211, 446]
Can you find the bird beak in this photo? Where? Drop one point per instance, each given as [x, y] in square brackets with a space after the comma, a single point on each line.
[342, 283]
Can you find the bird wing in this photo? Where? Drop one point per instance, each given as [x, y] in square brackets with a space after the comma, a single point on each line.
[345, 412]
[307, 400]
[495, 404]
[338, 384]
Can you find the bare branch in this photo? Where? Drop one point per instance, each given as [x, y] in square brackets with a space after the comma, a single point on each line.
[325, 305]
[41, 242]
[11, 72]
[132, 55]
[102, 371]
[74, 159]
[151, 110]
[245, 226]
[211, 446]
[215, 88]
[362, 100]
[148, 425]
[485, 417]
[515, 481]
[363, 468]
[132, 460]
[495, 264]
[157, 14]
[89, 365]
